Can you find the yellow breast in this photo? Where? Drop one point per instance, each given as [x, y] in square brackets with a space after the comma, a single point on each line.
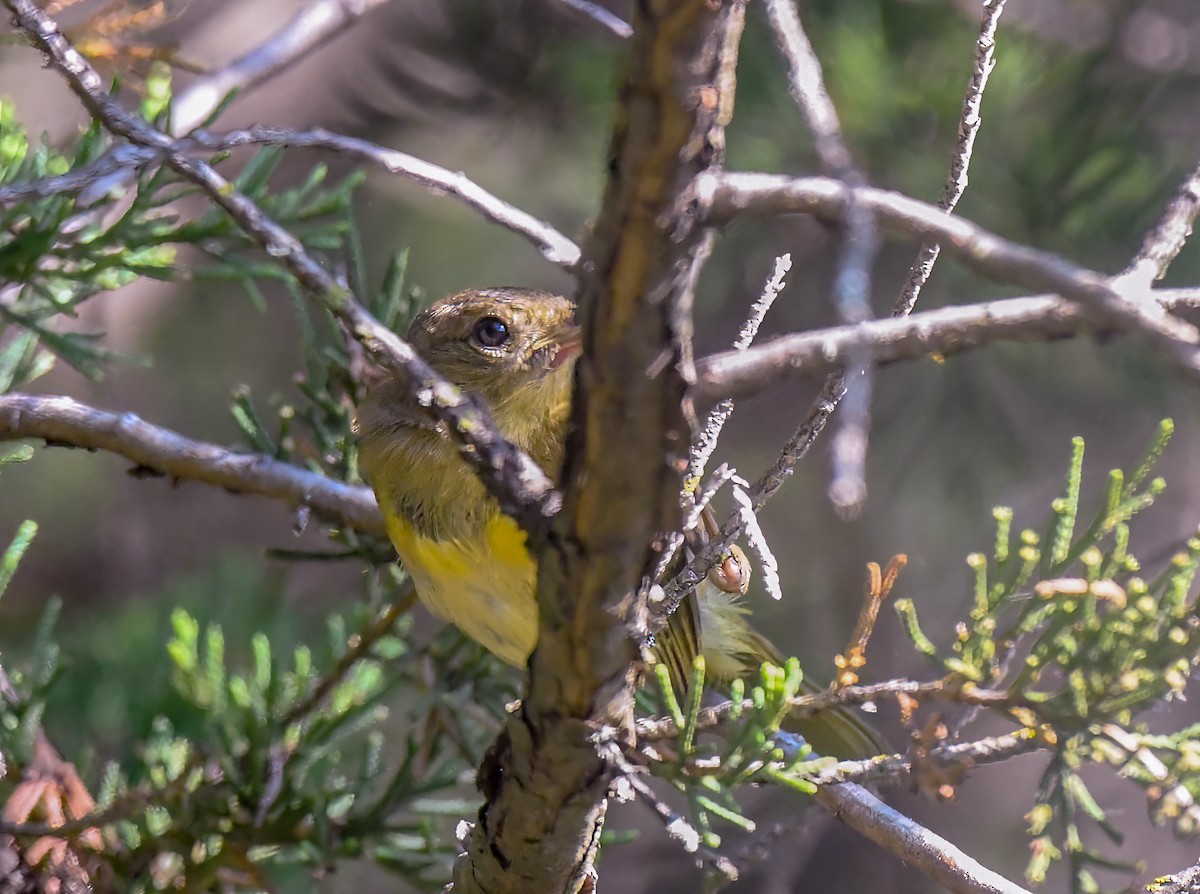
[483, 584]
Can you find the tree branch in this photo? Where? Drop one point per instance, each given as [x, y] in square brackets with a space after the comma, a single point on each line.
[1166, 240]
[546, 787]
[63, 421]
[945, 331]
[968, 128]
[860, 242]
[912, 842]
[316, 24]
[556, 247]
[993, 256]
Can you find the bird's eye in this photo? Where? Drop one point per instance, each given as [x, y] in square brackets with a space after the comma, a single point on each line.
[491, 332]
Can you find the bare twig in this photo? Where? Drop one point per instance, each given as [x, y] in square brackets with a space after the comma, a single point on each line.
[968, 128]
[760, 492]
[852, 283]
[311, 27]
[607, 19]
[981, 250]
[945, 331]
[519, 484]
[1168, 237]
[758, 542]
[705, 444]
[556, 247]
[63, 421]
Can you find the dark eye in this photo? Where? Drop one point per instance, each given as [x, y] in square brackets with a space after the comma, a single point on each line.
[491, 332]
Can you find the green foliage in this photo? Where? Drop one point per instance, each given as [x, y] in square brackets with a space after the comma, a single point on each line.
[276, 761]
[56, 253]
[1063, 636]
[1070, 638]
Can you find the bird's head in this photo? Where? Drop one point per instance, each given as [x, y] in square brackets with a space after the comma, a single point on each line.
[512, 346]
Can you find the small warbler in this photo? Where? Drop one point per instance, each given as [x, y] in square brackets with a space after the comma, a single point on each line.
[517, 348]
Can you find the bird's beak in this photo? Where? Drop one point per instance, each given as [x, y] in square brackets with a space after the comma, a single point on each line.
[567, 343]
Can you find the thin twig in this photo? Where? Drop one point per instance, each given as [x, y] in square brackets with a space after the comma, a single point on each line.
[364, 641]
[63, 421]
[556, 247]
[705, 444]
[677, 589]
[767, 563]
[313, 26]
[607, 19]
[852, 283]
[1168, 237]
[519, 484]
[968, 129]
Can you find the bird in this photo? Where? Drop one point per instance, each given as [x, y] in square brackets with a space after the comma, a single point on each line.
[516, 349]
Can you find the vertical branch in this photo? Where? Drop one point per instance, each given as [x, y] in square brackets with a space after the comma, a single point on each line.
[956, 180]
[853, 436]
[852, 284]
[545, 783]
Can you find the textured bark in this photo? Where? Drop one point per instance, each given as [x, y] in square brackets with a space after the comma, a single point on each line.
[545, 783]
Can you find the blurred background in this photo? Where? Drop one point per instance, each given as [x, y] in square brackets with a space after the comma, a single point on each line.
[1089, 124]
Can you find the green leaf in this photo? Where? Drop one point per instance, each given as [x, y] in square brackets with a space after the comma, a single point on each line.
[26, 531]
